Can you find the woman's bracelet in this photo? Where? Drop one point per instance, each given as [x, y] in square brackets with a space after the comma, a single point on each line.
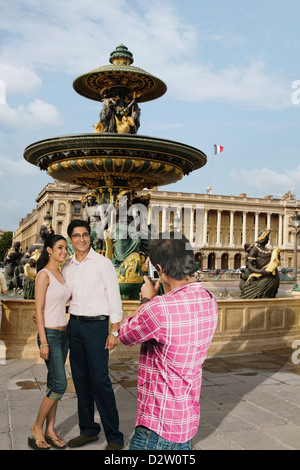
[42, 345]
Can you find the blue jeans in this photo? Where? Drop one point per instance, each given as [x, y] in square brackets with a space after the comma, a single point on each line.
[89, 365]
[145, 439]
[58, 341]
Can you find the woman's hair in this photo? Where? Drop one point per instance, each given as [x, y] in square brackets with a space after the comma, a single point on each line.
[44, 257]
[174, 255]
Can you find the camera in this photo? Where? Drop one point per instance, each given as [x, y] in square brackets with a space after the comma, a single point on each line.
[153, 274]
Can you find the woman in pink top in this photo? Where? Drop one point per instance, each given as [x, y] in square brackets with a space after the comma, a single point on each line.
[51, 296]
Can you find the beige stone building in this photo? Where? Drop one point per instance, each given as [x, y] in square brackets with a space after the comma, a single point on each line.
[60, 201]
[217, 226]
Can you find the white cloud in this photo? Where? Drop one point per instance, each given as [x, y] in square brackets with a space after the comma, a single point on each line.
[268, 179]
[36, 114]
[68, 35]
[251, 86]
[18, 77]
[16, 168]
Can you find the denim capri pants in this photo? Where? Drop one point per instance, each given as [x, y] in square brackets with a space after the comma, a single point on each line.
[58, 341]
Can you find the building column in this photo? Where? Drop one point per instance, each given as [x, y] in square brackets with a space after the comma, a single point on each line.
[204, 234]
[256, 226]
[69, 212]
[244, 228]
[149, 214]
[199, 219]
[164, 218]
[178, 219]
[231, 240]
[280, 230]
[219, 228]
[192, 224]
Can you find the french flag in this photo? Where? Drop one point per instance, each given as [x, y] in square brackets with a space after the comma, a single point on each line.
[218, 149]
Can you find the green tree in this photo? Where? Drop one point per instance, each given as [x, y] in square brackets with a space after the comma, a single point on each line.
[5, 244]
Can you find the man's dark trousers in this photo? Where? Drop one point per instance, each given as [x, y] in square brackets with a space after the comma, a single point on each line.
[89, 366]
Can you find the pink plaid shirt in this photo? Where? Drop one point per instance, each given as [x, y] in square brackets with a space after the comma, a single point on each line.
[175, 331]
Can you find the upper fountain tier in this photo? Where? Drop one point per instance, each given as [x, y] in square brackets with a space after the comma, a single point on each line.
[120, 78]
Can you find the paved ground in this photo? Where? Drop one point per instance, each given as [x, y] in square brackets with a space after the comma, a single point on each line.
[248, 402]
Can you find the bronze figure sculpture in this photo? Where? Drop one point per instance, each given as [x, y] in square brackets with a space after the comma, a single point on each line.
[261, 278]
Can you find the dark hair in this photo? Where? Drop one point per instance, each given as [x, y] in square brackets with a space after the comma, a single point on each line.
[174, 255]
[77, 223]
[44, 256]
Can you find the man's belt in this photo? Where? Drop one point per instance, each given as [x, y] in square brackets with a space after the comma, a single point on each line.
[81, 318]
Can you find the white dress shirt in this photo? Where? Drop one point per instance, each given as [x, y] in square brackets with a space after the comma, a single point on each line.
[94, 287]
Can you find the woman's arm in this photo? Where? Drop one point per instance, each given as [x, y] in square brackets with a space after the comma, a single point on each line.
[41, 286]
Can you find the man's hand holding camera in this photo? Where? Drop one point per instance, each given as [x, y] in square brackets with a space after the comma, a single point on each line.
[150, 288]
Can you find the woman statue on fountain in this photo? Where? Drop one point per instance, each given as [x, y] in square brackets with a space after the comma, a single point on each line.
[262, 264]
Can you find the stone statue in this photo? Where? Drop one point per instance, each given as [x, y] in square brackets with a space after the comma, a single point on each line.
[130, 235]
[130, 116]
[118, 118]
[107, 121]
[261, 278]
[30, 261]
[13, 271]
[91, 215]
[284, 276]
[126, 242]
[129, 243]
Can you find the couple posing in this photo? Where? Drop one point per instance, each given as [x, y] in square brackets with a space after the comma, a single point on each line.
[175, 330]
[89, 282]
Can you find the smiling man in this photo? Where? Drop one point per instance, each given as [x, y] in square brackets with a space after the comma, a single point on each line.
[93, 282]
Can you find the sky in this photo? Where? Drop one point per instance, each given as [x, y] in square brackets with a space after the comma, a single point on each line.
[231, 68]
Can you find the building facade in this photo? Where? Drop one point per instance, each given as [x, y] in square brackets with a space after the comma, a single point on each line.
[61, 201]
[217, 226]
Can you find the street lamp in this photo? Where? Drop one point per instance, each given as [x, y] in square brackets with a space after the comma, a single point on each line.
[296, 225]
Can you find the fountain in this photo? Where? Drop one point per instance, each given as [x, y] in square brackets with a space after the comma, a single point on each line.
[114, 161]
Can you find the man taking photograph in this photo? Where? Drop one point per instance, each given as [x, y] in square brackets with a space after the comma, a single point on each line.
[175, 331]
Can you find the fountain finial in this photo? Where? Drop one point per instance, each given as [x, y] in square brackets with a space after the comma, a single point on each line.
[121, 56]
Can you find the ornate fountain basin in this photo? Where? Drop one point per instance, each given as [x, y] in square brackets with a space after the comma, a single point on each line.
[110, 160]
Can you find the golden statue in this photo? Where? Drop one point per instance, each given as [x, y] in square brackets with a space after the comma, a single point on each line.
[124, 126]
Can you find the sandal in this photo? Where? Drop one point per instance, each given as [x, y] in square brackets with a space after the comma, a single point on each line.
[32, 442]
[52, 441]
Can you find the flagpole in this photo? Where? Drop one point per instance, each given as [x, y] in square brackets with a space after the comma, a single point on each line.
[212, 170]
[216, 149]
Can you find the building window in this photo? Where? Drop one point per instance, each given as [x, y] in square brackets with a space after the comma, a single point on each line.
[59, 228]
[77, 208]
